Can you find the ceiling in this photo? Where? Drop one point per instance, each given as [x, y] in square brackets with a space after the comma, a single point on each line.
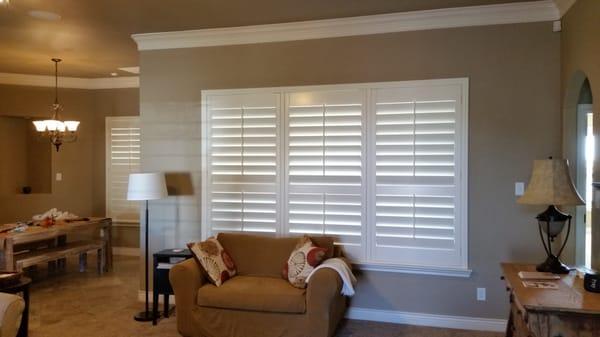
[93, 37]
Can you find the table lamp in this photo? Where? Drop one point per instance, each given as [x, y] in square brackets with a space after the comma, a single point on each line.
[146, 186]
[551, 185]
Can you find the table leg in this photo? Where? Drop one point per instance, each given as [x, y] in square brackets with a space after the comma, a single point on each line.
[154, 306]
[82, 262]
[166, 304]
[510, 325]
[9, 257]
[24, 327]
[106, 233]
[61, 263]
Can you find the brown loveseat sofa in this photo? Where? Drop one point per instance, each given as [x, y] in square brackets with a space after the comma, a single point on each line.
[257, 302]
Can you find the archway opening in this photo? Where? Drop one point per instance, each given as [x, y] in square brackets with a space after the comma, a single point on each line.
[584, 172]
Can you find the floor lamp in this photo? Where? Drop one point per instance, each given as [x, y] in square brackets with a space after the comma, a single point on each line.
[146, 186]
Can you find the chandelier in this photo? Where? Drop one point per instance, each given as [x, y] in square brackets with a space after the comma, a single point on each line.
[56, 129]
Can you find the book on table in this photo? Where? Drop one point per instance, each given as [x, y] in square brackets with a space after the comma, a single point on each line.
[535, 275]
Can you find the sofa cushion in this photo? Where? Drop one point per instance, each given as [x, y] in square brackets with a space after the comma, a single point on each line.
[252, 293]
[303, 260]
[214, 260]
[257, 255]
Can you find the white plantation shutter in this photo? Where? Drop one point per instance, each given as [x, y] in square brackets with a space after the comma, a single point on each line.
[325, 166]
[243, 181]
[382, 167]
[417, 135]
[122, 158]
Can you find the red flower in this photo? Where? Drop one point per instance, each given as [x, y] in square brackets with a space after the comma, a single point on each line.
[284, 272]
[228, 260]
[315, 256]
[224, 276]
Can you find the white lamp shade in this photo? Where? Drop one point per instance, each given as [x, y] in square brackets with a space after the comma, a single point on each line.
[51, 124]
[71, 125]
[146, 186]
[40, 126]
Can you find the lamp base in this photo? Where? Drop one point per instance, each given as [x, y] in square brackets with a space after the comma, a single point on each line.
[145, 316]
[553, 265]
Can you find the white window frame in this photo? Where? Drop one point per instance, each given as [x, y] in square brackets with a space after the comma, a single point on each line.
[107, 158]
[368, 169]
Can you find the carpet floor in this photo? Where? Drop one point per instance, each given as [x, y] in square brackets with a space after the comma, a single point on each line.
[74, 304]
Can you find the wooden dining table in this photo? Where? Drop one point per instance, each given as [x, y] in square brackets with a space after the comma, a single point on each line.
[12, 241]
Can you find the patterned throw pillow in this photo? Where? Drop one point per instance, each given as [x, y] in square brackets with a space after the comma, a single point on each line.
[213, 258]
[303, 260]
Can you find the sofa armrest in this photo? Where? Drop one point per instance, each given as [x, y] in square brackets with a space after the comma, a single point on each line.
[11, 310]
[323, 292]
[186, 278]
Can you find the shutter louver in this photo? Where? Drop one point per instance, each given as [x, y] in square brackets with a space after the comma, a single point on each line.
[244, 180]
[325, 166]
[416, 176]
[123, 158]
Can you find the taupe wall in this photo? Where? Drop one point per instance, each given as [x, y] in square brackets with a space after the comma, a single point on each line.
[580, 58]
[82, 163]
[514, 73]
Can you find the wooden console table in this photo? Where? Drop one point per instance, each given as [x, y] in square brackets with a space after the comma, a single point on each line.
[10, 240]
[569, 311]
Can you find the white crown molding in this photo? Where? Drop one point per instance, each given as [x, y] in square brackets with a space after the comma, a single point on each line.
[70, 82]
[518, 12]
[563, 6]
[440, 321]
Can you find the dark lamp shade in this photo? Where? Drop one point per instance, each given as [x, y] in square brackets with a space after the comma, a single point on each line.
[551, 184]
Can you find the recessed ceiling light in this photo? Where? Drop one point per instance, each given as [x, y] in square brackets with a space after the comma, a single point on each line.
[113, 74]
[43, 15]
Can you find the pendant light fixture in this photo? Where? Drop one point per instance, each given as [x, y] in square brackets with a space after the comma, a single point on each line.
[56, 129]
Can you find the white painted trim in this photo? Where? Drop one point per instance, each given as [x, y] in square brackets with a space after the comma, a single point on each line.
[563, 6]
[70, 82]
[440, 321]
[518, 12]
[450, 272]
[126, 251]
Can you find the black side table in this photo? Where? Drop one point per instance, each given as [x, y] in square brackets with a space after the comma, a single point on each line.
[161, 278]
[21, 287]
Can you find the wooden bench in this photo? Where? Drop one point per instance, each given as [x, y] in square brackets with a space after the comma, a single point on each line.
[81, 248]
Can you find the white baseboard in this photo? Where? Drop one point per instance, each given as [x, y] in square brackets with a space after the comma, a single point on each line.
[440, 321]
[126, 251]
[402, 317]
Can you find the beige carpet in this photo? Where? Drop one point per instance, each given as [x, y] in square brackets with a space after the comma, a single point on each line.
[73, 304]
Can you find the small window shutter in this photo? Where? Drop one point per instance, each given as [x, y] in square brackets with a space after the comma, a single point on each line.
[417, 173]
[325, 166]
[123, 157]
[243, 193]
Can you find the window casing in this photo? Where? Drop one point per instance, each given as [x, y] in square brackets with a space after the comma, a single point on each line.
[380, 166]
[123, 146]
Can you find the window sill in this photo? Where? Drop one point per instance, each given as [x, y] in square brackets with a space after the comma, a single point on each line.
[451, 272]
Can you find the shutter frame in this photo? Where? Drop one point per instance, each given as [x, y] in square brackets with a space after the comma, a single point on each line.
[123, 156]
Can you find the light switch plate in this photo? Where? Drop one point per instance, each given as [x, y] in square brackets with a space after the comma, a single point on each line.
[481, 294]
[58, 176]
[519, 188]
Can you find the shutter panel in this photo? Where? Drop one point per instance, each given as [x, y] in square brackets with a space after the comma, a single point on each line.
[325, 166]
[417, 175]
[243, 192]
[123, 157]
